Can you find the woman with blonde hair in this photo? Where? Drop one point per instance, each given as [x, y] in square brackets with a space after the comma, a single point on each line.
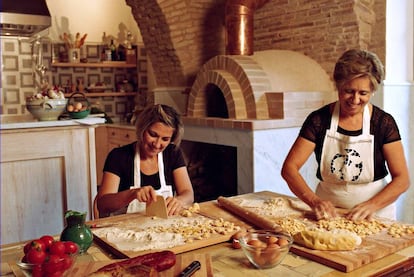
[356, 145]
[135, 173]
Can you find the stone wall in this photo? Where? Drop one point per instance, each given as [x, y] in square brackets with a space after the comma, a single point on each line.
[182, 35]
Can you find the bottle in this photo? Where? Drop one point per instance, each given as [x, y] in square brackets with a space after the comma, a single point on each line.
[130, 52]
[121, 52]
[114, 56]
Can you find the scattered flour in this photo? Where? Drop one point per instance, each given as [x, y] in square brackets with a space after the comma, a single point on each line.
[159, 233]
[129, 240]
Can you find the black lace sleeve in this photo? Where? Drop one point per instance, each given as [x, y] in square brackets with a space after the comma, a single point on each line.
[384, 127]
[385, 130]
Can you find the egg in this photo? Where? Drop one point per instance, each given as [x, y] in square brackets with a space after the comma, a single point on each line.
[273, 256]
[70, 108]
[272, 240]
[283, 242]
[78, 106]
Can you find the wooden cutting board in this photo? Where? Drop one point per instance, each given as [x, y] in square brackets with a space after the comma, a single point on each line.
[373, 247]
[83, 268]
[139, 219]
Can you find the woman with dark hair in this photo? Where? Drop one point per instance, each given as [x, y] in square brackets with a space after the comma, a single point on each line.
[355, 144]
[135, 173]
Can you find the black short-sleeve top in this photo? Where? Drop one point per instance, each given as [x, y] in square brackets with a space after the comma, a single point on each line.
[382, 126]
[120, 161]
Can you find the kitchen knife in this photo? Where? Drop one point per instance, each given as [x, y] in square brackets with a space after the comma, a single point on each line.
[190, 269]
[157, 208]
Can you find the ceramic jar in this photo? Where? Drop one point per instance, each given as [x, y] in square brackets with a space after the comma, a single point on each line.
[77, 231]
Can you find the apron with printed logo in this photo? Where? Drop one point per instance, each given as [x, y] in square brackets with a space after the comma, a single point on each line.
[166, 191]
[347, 167]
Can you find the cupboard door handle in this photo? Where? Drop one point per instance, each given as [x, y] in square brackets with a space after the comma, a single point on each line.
[127, 135]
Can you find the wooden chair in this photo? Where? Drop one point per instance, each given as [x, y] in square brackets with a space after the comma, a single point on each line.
[95, 208]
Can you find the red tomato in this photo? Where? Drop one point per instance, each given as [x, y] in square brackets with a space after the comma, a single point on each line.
[39, 245]
[66, 261]
[35, 256]
[37, 271]
[53, 264]
[47, 240]
[57, 248]
[27, 247]
[71, 247]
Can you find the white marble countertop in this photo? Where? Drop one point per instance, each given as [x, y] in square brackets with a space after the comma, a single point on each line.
[57, 123]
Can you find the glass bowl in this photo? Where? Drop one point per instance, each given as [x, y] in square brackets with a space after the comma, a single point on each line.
[265, 248]
[59, 266]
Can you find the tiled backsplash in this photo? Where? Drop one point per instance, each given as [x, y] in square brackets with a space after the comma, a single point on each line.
[19, 81]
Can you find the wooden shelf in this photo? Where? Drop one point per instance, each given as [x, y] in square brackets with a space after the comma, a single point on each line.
[100, 64]
[99, 94]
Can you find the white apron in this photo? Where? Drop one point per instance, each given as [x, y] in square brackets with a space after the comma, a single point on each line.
[347, 167]
[166, 191]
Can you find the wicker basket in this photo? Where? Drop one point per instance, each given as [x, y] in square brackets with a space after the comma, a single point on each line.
[73, 103]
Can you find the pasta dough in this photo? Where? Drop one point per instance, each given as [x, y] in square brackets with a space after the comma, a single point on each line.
[323, 240]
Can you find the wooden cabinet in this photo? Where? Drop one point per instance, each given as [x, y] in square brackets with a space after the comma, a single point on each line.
[108, 137]
[44, 172]
[118, 136]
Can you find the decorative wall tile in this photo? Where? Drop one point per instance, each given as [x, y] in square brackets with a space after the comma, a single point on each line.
[107, 70]
[11, 96]
[94, 78]
[12, 110]
[79, 69]
[27, 63]
[120, 108]
[11, 80]
[9, 46]
[18, 83]
[108, 108]
[64, 79]
[26, 80]
[25, 48]
[10, 63]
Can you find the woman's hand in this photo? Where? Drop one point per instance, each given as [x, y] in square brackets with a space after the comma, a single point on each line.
[146, 194]
[362, 211]
[174, 205]
[324, 209]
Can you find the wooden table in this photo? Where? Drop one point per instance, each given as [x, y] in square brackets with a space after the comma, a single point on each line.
[226, 261]
[230, 262]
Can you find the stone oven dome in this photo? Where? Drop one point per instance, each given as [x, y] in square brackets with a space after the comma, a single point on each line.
[271, 84]
[293, 71]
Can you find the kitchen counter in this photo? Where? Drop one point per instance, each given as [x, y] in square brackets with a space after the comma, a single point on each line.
[55, 123]
[226, 261]
[53, 169]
